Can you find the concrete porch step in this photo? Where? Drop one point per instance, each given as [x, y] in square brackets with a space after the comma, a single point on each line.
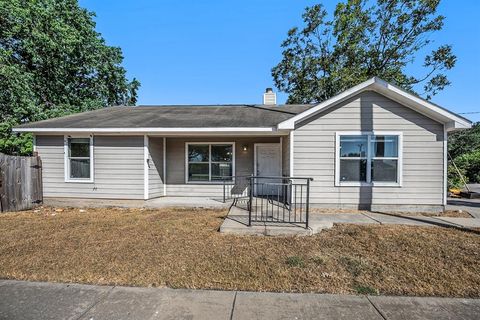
[236, 222]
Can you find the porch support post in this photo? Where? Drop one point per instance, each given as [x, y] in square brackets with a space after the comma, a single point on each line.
[34, 142]
[145, 166]
[445, 166]
[164, 144]
[251, 201]
[307, 204]
[281, 157]
[291, 153]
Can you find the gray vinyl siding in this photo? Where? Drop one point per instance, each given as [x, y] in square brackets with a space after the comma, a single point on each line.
[175, 178]
[118, 168]
[155, 167]
[423, 164]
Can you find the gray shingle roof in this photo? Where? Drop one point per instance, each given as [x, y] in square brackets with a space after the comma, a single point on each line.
[175, 117]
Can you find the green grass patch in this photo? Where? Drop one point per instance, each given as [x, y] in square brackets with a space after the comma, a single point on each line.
[295, 261]
[353, 265]
[360, 289]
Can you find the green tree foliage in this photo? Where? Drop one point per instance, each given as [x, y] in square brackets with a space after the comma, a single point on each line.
[464, 149]
[53, 63]
[470, 162]
[464, 141]
[362, 40]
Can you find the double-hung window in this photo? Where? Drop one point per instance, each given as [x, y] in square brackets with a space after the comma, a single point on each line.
[368, 158]
[78, 159]
[209, 162]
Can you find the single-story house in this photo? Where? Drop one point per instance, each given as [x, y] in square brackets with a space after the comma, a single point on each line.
[374, 145]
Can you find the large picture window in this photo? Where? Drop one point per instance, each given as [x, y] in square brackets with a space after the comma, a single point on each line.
[372, 158]
[78, 159]
[209, 162]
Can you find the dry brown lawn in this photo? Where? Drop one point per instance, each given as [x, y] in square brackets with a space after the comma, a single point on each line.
[183, 249]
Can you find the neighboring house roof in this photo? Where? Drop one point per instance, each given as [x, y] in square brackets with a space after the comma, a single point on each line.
[451, 120]
[233, 118]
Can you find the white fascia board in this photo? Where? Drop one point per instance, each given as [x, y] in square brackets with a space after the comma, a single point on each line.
[428, 109]
[148, 130]
[375, 84]
[454, 126]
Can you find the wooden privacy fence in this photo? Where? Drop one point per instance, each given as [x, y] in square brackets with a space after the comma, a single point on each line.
[20, 182]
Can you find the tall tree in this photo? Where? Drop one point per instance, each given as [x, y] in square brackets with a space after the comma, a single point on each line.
[363, 40]
[53, 63]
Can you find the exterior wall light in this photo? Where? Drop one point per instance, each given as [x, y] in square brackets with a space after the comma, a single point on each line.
[245, 147]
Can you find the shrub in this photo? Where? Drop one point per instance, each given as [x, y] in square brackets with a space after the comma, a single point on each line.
[469, 166]
[454, 180]
[471, 162]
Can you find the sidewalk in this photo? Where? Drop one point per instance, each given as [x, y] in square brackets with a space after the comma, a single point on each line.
[34, 300]
[236, 222]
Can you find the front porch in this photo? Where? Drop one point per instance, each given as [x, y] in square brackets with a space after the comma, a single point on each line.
[249, 173]
[196, 166]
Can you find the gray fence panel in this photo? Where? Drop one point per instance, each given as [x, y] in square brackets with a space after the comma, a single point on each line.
[20, 182]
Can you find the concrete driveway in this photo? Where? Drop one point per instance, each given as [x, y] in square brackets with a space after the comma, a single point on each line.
[475, 187]
[472, 206]
[34, 300]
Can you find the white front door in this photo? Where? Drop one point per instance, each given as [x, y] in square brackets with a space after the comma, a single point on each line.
[268, 163]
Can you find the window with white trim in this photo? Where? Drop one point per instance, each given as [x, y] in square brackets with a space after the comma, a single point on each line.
[79, 160]
[209, 162]
[369, 158]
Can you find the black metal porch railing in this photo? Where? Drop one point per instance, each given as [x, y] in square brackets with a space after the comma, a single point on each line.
[271, 199]
[235, 187]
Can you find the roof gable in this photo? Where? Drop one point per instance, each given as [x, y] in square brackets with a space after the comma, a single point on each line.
[451, 120]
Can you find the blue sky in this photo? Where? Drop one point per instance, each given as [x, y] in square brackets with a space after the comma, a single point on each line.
[213, 52]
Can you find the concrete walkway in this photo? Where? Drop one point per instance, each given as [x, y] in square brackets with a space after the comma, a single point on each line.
[387, 218]
[236, 222]
[186, 202]
[470, 205]
[34, 300]
[162, 202]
